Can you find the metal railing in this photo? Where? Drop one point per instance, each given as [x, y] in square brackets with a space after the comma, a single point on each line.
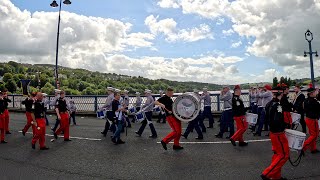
[91, 103]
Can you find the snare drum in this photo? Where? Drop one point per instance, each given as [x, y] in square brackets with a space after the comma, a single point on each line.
[156, 109]
[132, 110]
[186, 107]
[295, 118]
[101, 114]
[252, 118]
[295, 139]
[139, 116]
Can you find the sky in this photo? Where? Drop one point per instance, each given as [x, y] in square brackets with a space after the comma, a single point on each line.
[220, 41]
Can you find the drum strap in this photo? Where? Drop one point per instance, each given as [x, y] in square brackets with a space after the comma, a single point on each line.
[297, 161]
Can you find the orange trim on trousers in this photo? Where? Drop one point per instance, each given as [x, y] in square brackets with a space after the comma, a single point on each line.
[64, 125]
[242, 126]
[2, 127]
[40, 132]
[29, 120]
[311, 142]
[280, 147]
[175, 125]
[6, 118]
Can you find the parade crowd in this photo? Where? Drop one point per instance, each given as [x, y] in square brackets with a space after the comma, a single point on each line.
[271, 104]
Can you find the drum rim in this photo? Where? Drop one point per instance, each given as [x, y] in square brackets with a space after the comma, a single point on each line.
[197, 107]
[294, 132]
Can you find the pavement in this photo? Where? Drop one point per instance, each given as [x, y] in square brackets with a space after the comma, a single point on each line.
[91, 156]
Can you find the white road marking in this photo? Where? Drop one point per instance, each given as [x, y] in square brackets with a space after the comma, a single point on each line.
[81, 138]
[219, 142]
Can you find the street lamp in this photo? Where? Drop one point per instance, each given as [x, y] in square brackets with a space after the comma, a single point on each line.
[309, 37]
[39, 81]
[55, 4]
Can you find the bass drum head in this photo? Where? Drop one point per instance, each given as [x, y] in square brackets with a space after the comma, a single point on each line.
[186, 107]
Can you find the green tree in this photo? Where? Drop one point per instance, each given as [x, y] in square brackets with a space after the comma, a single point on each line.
[11, 86]
[7, 77]
[275, 82]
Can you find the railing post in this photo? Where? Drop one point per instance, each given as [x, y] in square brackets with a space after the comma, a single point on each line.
[13, 100]
[95, 103]
[218, 102]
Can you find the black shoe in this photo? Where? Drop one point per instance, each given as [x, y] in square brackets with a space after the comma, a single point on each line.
[243, 144]
[256, 134]
[120, 141]
[199, 138]
[233, 142]
[177, 147]
[302, 153]
[8, 132]
[218, 136]
[267, 135]
[4, 142]
[104, 133]
[153, 136]
[283, 178]
[158, 121]
[67, 140]
[129, 126]
[163, 122]
[55, 135]
[44, 148]
[186, 137]
[264, 177]
[228, 137]
[315, 151]
[138, 133]
[164, 145]
[204, 131]
[114, 140]
[23, 133]
[33, 146]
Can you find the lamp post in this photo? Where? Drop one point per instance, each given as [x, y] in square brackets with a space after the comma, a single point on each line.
[55, 4]
[309, 37]
[39, 81]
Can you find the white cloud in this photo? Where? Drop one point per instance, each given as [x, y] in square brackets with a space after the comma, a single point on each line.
[220, 21]
[168, 27]
[236, 44]
[228, 32]
[33, 35]
[276, 27]
[168, 4]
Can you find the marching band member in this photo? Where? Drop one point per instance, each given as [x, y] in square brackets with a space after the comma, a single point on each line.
[117, 110]
[259, 104]
[298, 106]
[162, 114]
[46, 107]
[72, 109]
[137, 105]
[286, 105]
[266, 96]
[278, 138]
[239, 113]
[2, 119]
[207, 107]
[108, 106]
[53, 103]
[312, 110]
[194, 124]
[126, 104]
[253, 100]
[166, 103]
[6, 111]
[148, 108]
[226, 121]
[63, 115]
[39, 122]
[29, 103]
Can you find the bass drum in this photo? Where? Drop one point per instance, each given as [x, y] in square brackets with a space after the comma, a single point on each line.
[186, 107]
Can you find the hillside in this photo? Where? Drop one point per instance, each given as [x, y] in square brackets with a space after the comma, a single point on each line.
[84, 82]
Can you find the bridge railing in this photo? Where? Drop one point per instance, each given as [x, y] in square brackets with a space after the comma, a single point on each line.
[91, 103]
